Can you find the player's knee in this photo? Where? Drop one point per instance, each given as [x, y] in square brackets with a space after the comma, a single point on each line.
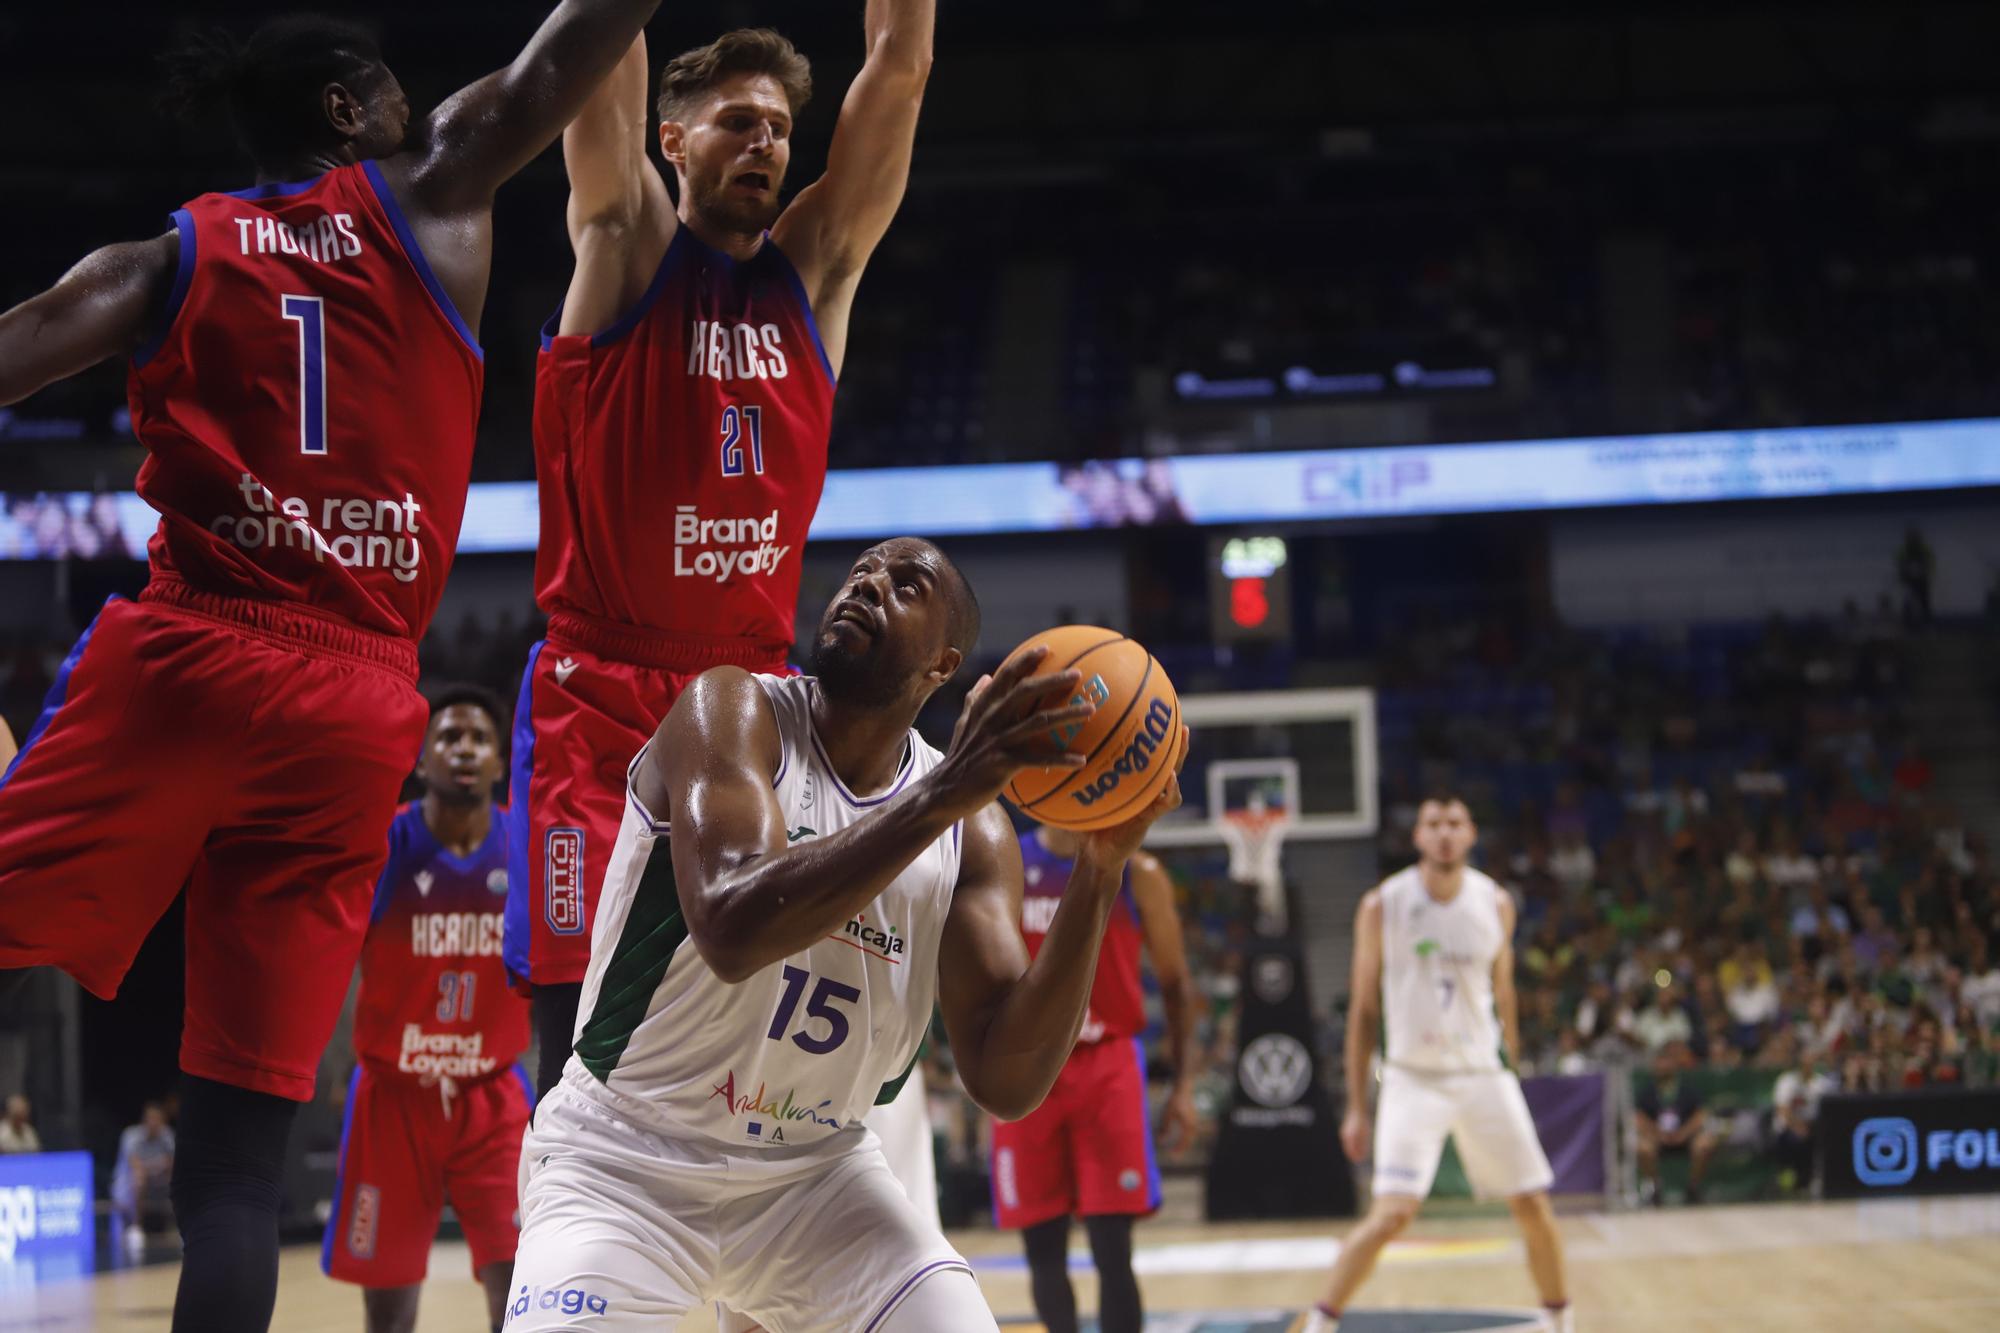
[1110, 1241]
[231, 1148]
[1532, 1207]
[1390, 1215]
[390, 1309]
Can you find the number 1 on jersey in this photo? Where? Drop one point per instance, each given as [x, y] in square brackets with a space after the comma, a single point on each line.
[736, 423]
[309, 313]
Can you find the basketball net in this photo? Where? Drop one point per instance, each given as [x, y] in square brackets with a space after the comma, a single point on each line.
[1256, 838]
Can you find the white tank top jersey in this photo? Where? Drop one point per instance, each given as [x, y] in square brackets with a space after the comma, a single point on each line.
[1437, 974]
[776, 1071]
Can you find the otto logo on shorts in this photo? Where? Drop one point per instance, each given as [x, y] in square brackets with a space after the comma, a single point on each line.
[569, 1300]
[362, 1222]
[1004, 1179]
[563, 881]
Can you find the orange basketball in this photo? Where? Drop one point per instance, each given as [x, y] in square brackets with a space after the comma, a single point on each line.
[1130, 744]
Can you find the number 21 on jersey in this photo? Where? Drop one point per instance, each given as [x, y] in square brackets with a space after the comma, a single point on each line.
[741, 425]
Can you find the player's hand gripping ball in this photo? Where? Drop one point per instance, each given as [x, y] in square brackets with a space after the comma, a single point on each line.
[1131, 744]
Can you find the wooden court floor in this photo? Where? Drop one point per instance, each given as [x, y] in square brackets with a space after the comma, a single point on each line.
[1882, 1265]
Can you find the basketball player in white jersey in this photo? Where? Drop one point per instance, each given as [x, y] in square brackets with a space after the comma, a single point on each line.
[763, 977]
[1434, 966]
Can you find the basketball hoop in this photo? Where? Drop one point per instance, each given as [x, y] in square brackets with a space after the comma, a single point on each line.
[1255, 835]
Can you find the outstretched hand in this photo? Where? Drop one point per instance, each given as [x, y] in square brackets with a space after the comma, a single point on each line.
[1007, 726]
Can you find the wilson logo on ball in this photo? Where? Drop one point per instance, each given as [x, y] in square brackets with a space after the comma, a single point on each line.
[1137, 758]
[1135, 715]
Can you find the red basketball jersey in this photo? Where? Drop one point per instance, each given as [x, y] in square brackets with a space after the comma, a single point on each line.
[308, 405]
[434, 998]
[1117, 1000]
[681, 452]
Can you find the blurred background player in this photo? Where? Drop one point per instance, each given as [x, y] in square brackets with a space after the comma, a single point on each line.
[1434, 967]
[766, 975]
[1087, 1149]
[684, 390]
[438, 1103]
[306, 380]
[142, 1180]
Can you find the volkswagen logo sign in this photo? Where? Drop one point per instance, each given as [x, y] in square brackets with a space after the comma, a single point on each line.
[1275, 1070]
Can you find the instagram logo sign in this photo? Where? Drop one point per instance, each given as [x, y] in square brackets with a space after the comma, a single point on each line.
[1885, 1151]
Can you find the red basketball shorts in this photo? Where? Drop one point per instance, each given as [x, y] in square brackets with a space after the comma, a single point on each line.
[1086, 1150]
[592, 695]
[405, 1149]
[249, 752]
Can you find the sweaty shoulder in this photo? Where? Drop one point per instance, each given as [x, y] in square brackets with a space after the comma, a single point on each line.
[722, 720]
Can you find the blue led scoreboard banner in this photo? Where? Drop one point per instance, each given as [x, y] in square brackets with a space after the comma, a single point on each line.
[46, 1220]
[1928, 1142]
[1311, 486]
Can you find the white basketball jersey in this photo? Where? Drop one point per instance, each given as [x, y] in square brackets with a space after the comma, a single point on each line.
[1437, 973]
[798, 1052]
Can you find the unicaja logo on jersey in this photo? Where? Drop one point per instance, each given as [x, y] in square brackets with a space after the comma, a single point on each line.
[1138, 756]
[875, 940]
[725, 548]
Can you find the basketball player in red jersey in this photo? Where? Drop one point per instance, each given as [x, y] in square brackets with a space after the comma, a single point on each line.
[306, 381]
[682, 403]
[1088, 1148]
[437, 1105]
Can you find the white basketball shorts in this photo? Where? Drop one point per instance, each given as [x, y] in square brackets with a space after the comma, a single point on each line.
[623, 1231]
[904, 1127]
[1483, 1111]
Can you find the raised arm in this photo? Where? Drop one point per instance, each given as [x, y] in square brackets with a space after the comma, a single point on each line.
[1153, 893]
[490, 129]
[1013, 1022]
[1505, 1003]
[834, 225]
[101, 308]
[1364, 1016]
[749, 898]
[621, 218]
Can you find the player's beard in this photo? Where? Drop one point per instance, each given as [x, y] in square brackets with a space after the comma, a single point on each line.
[720, 210]
[861, 679]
